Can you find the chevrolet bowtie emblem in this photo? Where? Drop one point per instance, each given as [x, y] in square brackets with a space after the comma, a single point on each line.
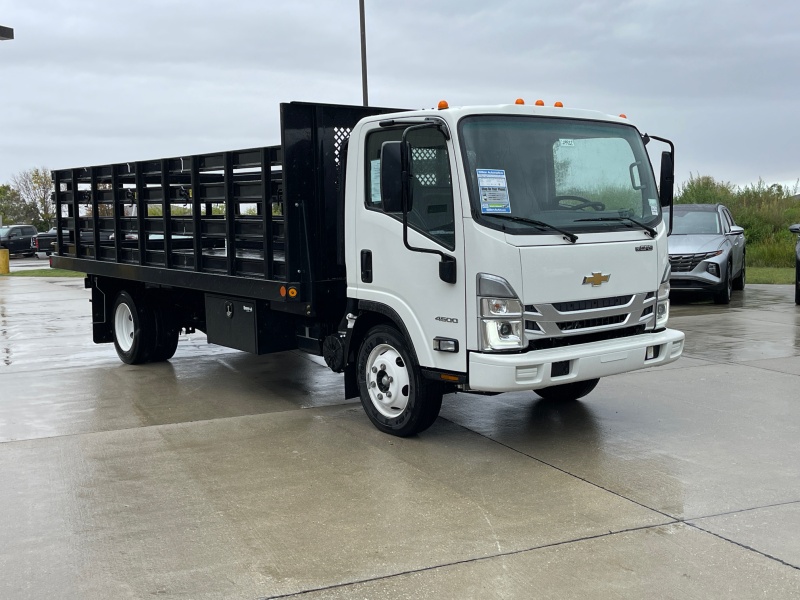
[596, 279]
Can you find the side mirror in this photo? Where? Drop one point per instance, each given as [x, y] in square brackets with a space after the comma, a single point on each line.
[795, 228]
[736, 230]
[392, 176]
[667, 179]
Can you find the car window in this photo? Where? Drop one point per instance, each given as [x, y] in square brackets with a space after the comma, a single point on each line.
[728, 217]
[696, 222]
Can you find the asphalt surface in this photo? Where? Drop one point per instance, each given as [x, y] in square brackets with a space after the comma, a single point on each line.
[226, 475]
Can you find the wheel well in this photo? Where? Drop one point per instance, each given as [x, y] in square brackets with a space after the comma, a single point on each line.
[370, 315]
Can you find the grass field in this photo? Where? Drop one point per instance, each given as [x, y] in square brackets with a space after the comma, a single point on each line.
[44, 273]
[777, 275]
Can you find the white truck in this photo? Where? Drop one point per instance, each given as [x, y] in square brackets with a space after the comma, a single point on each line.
[477, 249]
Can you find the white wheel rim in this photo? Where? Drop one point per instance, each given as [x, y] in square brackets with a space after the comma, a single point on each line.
[123, 327]
[388, 383]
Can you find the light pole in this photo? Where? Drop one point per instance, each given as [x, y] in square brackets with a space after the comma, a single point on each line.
[6, 33]
[363, 53]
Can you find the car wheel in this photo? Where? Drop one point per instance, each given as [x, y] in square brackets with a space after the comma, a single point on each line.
[396, 397]
[724, 295]
[134, 329]
[167, 333]
[567, 392]
[739, 281]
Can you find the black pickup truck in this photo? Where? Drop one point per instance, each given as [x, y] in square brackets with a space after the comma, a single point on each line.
[17, 239]
[44, 244]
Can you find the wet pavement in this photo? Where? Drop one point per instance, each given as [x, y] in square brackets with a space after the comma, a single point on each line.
[226, 475]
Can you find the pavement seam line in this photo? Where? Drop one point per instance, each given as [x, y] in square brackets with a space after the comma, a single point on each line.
[465, 561]
[743, 546]
[676, 520]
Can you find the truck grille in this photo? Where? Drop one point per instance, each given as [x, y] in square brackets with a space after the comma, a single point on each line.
[683, 263]
[599, 317]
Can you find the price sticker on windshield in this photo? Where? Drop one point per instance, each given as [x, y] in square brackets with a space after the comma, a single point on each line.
[493, 191]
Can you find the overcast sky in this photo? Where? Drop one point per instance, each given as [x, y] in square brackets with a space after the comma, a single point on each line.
[99, 81]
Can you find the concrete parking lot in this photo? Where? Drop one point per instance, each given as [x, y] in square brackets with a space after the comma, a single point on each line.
[226, 475]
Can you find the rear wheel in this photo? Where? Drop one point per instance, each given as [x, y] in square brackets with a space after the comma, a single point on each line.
[167, 333]
[396, 397]
[134, 329]
[567, 392]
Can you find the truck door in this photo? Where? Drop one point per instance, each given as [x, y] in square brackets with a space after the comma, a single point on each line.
[404, 280]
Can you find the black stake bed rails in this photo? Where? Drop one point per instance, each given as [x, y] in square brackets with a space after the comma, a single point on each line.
[258, 223]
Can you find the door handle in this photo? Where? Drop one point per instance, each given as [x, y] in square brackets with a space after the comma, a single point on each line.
[366, 266]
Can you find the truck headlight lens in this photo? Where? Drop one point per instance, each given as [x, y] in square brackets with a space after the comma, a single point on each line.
[498, 334]
[500, 319]
[662, 307]
[500, 307]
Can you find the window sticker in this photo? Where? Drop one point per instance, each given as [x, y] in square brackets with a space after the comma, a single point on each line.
[375, 179]
[566, 143]
[653, 206]
[493, 191]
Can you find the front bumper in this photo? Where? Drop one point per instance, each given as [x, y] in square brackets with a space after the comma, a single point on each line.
[698, 277]
[533, 370]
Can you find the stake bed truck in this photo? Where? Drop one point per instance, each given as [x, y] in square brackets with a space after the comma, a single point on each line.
[481, 249]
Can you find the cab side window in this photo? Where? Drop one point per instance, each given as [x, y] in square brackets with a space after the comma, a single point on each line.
[431, 186]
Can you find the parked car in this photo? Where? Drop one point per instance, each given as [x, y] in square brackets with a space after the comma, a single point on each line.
[44, 244]
[796, 229]
[706, 251]
[17, 239]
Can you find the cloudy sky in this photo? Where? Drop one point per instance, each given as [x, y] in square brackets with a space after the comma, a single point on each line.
[98, 81]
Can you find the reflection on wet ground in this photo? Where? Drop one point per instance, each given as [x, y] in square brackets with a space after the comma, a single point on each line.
[221, 474]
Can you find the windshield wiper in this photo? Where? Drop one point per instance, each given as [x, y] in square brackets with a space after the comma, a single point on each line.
[570, 237]
[650, 230]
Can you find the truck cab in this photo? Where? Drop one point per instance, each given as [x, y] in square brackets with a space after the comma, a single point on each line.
[515, 248]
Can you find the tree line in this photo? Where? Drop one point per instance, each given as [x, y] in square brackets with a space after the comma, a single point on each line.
[28, 199]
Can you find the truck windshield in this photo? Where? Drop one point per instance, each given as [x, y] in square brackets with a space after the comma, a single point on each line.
[581, 176]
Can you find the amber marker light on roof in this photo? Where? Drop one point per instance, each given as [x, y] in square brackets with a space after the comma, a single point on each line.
[443, 104]
[559, 104]
[540, 103]
[623, 115]
[519, 101]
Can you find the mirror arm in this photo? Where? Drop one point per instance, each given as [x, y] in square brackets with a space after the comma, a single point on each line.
[447, 271]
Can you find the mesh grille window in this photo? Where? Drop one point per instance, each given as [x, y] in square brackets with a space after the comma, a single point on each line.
[431, 189]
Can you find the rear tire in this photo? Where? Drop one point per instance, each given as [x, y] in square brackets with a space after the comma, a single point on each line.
[134, 328]
[166, 337]
[567, 392]
[396, 397]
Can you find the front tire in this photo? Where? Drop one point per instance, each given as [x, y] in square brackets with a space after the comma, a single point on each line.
[396, 397]
[134, 329]
[739, 281]
[724, 295]
[567, 392]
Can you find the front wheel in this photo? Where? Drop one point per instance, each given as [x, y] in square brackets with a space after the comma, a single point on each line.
[396, 397]
[566, 392]
[740, 280]
[724, 295]
[134, 329]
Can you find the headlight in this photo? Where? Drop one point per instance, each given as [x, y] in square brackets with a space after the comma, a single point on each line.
[501, 320]
[662, 306]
